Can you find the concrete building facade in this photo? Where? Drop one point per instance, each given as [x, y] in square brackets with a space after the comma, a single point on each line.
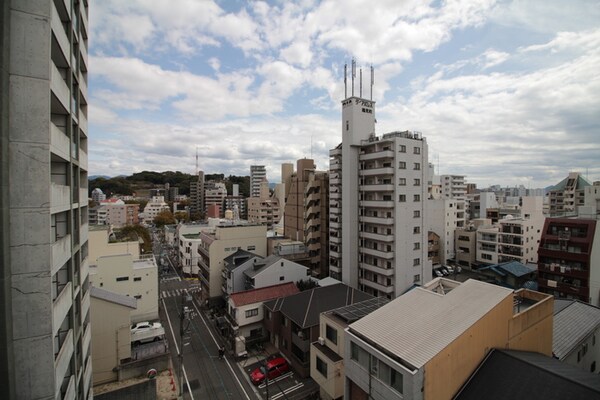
[258, 173]
[45, 330]
[197, 195]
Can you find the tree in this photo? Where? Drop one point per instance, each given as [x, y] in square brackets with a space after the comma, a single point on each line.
[182, 216]
[306, 284]
[135, 232]
[163, 218]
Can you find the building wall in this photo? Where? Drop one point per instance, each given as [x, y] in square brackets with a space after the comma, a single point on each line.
[100, 246]
[44, 209]
[595, 268]
[332, 386]
[246, 324]
[111, 338]
[137, 278]
[465, 247]
[288, 270]
[586, 355]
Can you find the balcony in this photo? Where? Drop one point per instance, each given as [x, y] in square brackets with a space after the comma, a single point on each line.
[376, 236]
[376, 171]
[335, 165]
[85, 305]
[335, 239]
[377, 286]
[61, 252]
[335, 253]
[377, 220]
[377, 188]
[83, 160]
[60, 198]
[84, 54]
[377, 203]
[582, 291]
[59, 32]
[335, 152]
[83, 235]
[63, 359]
[385, 154]
[83, 123]
[335, 225]
[335, 195]
[564, 270]
[87, 374]
[386, 255]
[87, 338]
[59, 87]
[70, 392]
[335, 181]
[59, 142]
[61, 307]
[377, 270]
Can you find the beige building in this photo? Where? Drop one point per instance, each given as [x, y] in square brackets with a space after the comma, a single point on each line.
[225, 240]
[103, 242]
[567, 195]
[453, 327]
[155, 206]
[264, 209]
[111, 333]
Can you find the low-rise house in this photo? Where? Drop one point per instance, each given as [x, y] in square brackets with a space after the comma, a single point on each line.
[512, 274]
[292, 322]
[234, 279]
[576, 333]
[327, 353]
[426, 343]
[245, 311]
[273, 270]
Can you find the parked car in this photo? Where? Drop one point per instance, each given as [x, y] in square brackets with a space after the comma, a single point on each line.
[143, 332]
[274, 368]
[438, 273]
[444, 271]
[450, 269]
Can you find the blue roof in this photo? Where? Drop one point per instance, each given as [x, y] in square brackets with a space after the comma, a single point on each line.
[514, 268]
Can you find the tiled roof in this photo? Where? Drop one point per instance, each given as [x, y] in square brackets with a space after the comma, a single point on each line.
[573, 323]
[507, 374]
[263, 294]
[305, 307]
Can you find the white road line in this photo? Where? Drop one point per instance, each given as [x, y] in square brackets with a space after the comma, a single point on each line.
[279, 378]
[177, 348]
[224, 358]
[287, 391]
[163, 294]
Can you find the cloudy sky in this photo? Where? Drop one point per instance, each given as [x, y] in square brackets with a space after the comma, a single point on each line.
[506, 92]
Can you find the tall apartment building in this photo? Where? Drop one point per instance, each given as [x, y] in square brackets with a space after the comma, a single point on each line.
[569, 259]
[565, 196]
[307, 213]
[264, 209]
[45, 328]
[258, 173]
[382, 184]
[454, 187]
[197, 194]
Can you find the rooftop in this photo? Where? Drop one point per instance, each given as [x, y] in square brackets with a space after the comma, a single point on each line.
[513, 268]
[263, 294]
[574, 321]
[112, 297]
[356, 311]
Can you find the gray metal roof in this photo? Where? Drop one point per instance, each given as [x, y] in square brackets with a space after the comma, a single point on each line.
[573, 323]
[419, 324]
[113, 297]
[261, 265]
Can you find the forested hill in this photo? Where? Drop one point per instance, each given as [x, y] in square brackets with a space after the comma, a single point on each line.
[145, 180]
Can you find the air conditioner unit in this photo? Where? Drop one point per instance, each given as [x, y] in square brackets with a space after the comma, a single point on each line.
[321, 341]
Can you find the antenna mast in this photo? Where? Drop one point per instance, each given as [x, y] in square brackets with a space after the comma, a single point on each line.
[345, 81]
[353, 74]
[196, 160]
[372, 80]
[360, 80]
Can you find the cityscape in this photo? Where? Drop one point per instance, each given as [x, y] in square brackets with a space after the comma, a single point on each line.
[299, 200]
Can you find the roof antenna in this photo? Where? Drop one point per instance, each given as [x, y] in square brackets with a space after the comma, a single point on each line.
[360, 80]
[372, 80]
[353, 74]
[345, 81]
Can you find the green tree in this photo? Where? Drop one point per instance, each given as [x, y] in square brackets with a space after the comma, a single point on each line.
[182, 216]
[135, 232]
[163, 218]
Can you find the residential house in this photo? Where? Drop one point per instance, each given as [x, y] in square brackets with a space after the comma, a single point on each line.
[512, 274]
[234, 267]
[274, 270]
[292, 322]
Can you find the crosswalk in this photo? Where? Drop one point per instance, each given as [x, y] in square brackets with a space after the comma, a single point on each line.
[165, 294]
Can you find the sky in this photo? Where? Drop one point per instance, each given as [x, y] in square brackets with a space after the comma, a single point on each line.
[505, 92]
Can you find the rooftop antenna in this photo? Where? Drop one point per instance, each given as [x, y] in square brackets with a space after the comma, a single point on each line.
[353, 74]
[372, 80]
[345, 81]
[360, 83]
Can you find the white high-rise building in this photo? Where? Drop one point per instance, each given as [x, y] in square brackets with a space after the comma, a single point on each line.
[45, 332]
[258, 173]
[378, 193]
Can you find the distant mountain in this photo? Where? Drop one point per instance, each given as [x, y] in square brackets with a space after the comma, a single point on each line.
[92, 177]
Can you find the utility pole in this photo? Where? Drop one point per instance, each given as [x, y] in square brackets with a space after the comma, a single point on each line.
[183, 316]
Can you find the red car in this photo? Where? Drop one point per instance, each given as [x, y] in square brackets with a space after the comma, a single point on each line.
[275, 367]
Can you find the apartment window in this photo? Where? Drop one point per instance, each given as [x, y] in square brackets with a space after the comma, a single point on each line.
[331, 334]
[416, 261]
[284, 321]
[417, 166]
[396, 380]
[417, 182]
[417, 150]
[322, 367]
[122, 278]
[417, 214]
[137, 279]
[250, 248]
[402, 198]
[402, 165]
[268, 314]
[251, 313]
[402, 148]
[359, 355]
[281, 278]
[417, 278]
[402, 181]
[417, 197]
[417, 229]
[417, 246]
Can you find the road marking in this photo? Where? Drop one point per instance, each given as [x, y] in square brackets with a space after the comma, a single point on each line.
[279, 378]
[177, 348]
[287, 391]
[217, 343]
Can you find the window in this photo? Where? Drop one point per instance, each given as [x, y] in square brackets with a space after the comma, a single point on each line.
[416, 261]
[417, 166]
[417, 197]
[347, 125]
[417, 229]
[137, 278]
[281, 278]
[331, 334]
[139, 296]
[284, 322]
[417, 214]
[322, 367]
[417, 182]
[396, 381]
[402, 198]
[251, 248]
[284, 344]
[402, 181]
[402, 165]
[359, 355]
[251, 313]
[402, 148]
[268, 314]
[417, 278]
[417, 150]
[417, 246]
[122, 278]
